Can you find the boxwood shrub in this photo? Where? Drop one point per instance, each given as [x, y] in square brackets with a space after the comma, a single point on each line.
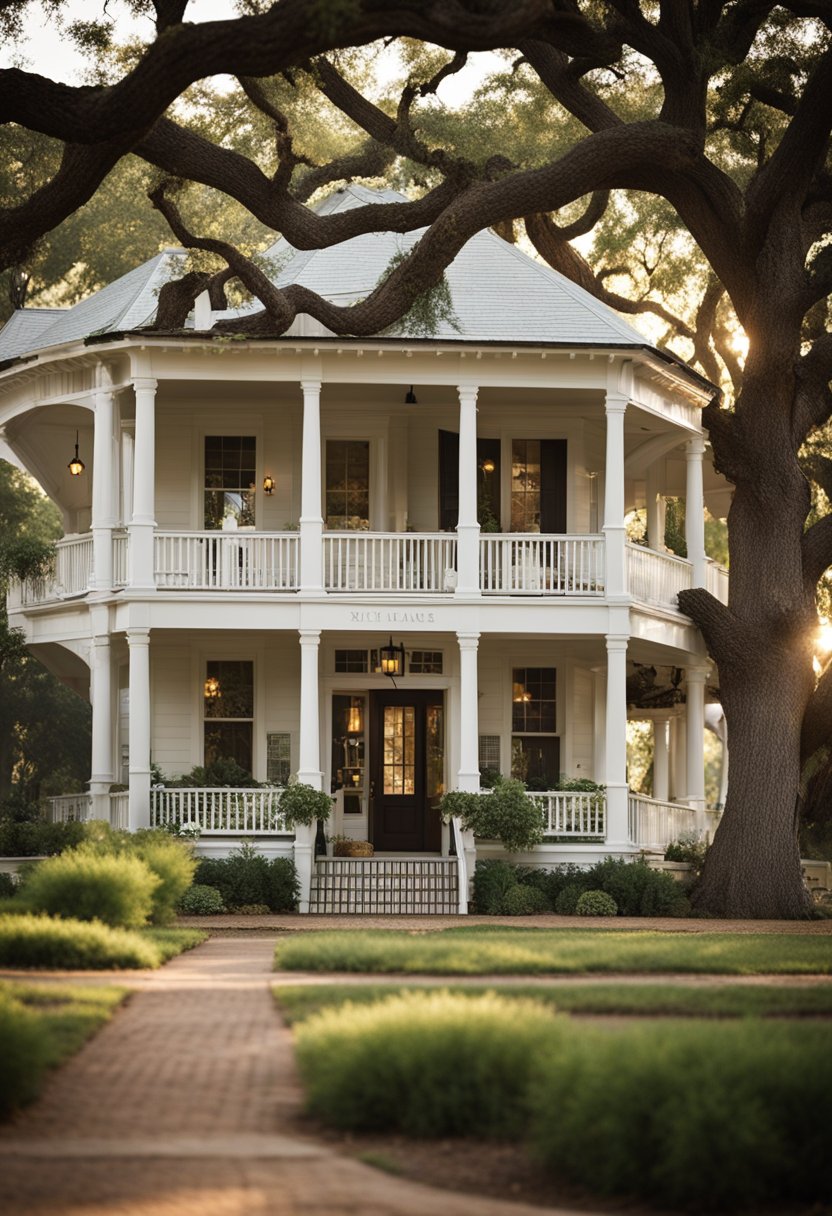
[87, 885]
[246, 877]
[596, 903]
[200, 900]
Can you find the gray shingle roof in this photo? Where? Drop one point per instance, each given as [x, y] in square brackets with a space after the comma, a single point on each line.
[499, 293]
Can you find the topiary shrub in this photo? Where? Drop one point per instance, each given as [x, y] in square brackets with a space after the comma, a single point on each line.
[200, 900]
[524, 901]
[625, 881]
[492, 879]
[88, 885]
[596, 903]
[567, 901]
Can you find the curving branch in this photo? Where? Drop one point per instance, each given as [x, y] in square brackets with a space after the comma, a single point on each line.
[816, 546]
[817, 720]
[813, 398]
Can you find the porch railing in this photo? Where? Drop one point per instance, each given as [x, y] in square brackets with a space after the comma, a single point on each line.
[120, 574]
[119, 810]
[219, 561]
[657, 578]
[568, 813]
[219, 811]
[716, 581]
[391, 562]
[654, 824]
[70, 574]
[68, 807]
[533, 564]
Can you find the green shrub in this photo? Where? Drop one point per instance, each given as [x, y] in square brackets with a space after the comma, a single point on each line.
[524, 901]
[41, 941]
[596, 903]
[700, 1117]
[492, 880]
[253, 910]
[246, 877]
[506, 814]
[23, 1055]
[223, 772]
[172, 862]
[88, 885]
[8, 886]
[283, 888]
[567, 901]
[303, 804]
[200, 900]
[38, 839]
[426, 1064]
[690, 850]
[637, 889]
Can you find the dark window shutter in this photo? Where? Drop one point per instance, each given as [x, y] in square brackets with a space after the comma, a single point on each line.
[448, 480]
[553, 485]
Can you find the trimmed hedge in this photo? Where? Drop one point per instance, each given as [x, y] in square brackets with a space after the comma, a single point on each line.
[200, 900]
[88, 885]
[38, 839]
[636, 888]
[596, 903]
[246, 877]
[41, 941]
[173, 864]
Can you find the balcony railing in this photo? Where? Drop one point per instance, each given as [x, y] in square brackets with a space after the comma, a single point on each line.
[221, 811]
[567, 813]
[524, 564]
[69, 807]
[233, 561]
[654, 824]
[657, 578]
[389, 562]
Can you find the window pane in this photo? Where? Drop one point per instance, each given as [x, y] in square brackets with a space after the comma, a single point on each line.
[533, 699]
[229, 741]
[535, 759]
[230, 684]
[399, 749]
[230, 466]
[525, 485]
[347, 493]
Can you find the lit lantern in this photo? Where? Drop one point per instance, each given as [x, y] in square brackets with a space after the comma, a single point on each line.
[392, 659]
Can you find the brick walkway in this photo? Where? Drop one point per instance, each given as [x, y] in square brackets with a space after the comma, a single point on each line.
[187, 1103]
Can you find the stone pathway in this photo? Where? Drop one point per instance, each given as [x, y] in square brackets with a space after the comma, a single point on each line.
[186, 1102]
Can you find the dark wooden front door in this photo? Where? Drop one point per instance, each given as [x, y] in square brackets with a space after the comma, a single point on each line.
[406, 770]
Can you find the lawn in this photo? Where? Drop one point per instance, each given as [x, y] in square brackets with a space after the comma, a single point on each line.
[299, 1002]
[40, 1026]
[508, 951]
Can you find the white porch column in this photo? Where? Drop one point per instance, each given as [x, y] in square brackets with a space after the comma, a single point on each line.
[599, 723]
[103, 483]
[101, 690]
[656, 507]
[695, 509]
[309, 757]
[618, 832]
[468, 776]
[138, 642]
[468, 528]
[661, 758]
[143, 523]
[615, 407]
[678, 759]
[311, 521]
[695, 684]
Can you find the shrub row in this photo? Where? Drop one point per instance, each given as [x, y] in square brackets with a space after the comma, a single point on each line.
[635, 888]
[43, 941]
[246, 878]
[37, 839]
[697, 1117]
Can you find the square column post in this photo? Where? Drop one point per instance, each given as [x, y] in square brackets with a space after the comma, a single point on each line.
[618, 815]
[138, 642]
[141, 562]
[103, 483]
[468, 776]
[661, 758]
[695, 684]
[311, 520]
[101, 689]
[615, 407]
[695, 509]
[599, 723]
[309, 757]
[468, 528]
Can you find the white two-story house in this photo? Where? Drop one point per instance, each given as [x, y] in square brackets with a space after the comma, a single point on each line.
[382, 565]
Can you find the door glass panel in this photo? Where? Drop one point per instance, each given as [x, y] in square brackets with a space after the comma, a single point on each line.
[348, 484]
[399, 743]
[348, 718]
[435, 748]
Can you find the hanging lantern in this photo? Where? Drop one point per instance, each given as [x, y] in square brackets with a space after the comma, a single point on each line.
[76, 466]
[392, 659]
[354, 722]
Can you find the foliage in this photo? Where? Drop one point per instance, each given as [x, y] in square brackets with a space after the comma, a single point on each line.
[505, 814]
[690, 1116]
[43, 941]
[8, 886]
[426, 1064]
[200, 900]
[253, 910]
[690, 850]
[493, 879]
[89, 885]
[223, 772]
[482, 950]
[595, 903]
[39, 839]
[567, 900]
[637, 889]
[173, 864]
[524, 901]
[246, 877]
[303, 804]
[22, 1055]
[429, 311]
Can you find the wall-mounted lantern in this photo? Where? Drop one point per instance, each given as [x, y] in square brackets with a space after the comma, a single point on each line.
[268, 484]
[392, 659]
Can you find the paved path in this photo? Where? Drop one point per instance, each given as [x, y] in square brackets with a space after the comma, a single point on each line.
[186, 1102]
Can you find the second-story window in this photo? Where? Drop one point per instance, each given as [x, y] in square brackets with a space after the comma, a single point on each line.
[348, 484]
[230, 478]
[538, 485]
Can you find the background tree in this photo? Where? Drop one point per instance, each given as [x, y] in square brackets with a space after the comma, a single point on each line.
[708, 118]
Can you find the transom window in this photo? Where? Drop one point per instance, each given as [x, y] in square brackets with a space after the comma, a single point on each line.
[348, 484]
[535, 748]
[425, 662]
[228, 698]
[230, 478]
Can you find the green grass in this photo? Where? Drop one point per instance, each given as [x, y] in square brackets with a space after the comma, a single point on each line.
[299, 1002]
[47, 942]
[40, 1026]
[549, 951]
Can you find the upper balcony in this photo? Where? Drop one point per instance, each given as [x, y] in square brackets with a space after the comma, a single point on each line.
[373, 563]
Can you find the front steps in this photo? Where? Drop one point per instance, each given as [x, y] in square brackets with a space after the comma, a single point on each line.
[378, 886]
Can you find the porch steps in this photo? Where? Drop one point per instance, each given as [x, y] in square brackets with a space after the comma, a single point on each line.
[378, 886]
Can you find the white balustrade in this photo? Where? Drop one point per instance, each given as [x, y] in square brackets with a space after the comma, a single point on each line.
[657, 578]
[222, 810]
[224, 561]
[390, 562]
[119, 559]
[119, 810]
[534, 564]
[716, 581]
[654, 824]
[73, 564]
[572, 813]
[68, 807]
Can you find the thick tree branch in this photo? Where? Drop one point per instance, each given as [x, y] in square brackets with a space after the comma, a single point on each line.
[553, 68]
[817, 720]
[813, 399]
[817, 550]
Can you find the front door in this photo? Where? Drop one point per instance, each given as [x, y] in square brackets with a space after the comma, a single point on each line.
[407, 760]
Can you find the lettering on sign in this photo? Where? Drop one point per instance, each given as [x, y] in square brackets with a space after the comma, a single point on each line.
[399, 616]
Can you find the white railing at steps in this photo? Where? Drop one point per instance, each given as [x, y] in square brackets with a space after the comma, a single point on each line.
[534, 564]
[570, 813]
[461, 864]
[657, 578]
[389, 561]
[654, 824]
[119, 559]
[244, 561]
[220, 810]
[716, 581]
[68, 807]
[119, 810]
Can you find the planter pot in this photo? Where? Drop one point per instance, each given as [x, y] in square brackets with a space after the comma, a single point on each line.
[353, 848]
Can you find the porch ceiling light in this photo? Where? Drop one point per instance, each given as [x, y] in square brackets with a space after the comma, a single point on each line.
[410, 397]
[76, 466]
[392, 659]
[268, 484]
[211, 688]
